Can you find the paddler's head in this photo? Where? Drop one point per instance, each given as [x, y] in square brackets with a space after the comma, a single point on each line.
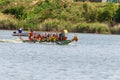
[31, 30]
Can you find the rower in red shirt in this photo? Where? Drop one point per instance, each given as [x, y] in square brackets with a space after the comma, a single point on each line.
[31, 34]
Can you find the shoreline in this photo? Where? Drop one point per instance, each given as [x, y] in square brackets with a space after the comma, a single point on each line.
[55, 31]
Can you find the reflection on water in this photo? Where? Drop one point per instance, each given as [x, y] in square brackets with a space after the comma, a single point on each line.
[93, 57]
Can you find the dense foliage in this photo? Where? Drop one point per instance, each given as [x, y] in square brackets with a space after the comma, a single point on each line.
[52, 15]
[18, 12]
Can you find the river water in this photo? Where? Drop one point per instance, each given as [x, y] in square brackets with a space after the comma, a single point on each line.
[93, 57]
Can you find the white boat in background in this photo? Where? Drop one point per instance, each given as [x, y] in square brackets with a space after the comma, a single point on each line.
[22, 34]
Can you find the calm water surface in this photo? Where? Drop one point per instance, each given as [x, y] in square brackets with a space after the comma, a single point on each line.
[93, 57]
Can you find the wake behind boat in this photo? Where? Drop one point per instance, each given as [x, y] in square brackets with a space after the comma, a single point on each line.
[11, 40]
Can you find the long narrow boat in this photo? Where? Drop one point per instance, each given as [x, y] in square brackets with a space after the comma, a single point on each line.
[46, 42]
[42, 42]
[21, 40]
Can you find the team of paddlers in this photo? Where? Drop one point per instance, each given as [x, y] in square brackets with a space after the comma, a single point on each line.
[48, 37]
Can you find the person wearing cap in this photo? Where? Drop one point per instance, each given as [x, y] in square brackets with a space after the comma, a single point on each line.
[20, 30]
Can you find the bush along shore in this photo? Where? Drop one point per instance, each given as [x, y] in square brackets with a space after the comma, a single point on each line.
[55, 15]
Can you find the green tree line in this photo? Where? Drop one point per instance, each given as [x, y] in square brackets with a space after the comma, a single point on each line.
[55, 15]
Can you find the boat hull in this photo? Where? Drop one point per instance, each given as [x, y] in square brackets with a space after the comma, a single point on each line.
[66, 42]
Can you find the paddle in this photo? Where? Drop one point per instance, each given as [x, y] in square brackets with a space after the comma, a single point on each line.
[20, 38]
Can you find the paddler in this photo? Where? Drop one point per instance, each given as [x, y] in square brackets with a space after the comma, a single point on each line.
[20, 30]
[31, 35]
[62, 36]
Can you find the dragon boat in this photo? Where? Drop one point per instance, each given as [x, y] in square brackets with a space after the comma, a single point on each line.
[59, 42]
[64, 42]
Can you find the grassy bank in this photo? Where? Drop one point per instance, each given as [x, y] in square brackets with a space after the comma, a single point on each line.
[55, 15]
